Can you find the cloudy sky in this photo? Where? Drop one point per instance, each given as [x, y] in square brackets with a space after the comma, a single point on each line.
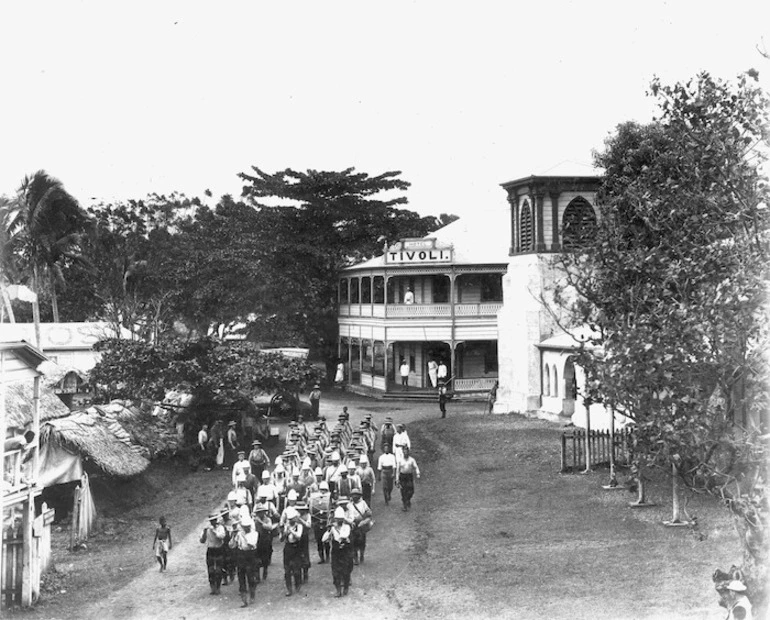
[121, 99]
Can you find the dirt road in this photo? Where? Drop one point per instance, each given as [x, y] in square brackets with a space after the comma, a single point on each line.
[495, 532]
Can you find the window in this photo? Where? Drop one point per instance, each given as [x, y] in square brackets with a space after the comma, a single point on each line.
[555, 382]
[344, 291]
[379, 359]
[440, 289]
[354, 293]
[547, 381]
[379, 290]
[578, 224]
[366, 290]
[491, 287]
[526, 228]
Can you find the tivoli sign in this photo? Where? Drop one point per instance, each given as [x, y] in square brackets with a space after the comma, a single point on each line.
[418, 251]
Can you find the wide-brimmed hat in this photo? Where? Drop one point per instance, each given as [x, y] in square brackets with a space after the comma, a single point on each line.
[256, 442]
[736, 586]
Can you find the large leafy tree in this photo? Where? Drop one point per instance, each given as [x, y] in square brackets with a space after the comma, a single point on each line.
[44, 227]
[314, 223]
[213, 373]
[675, 284]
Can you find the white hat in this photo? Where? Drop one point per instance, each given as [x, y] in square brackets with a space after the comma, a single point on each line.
[279, 469]
[351, 465]
[278, 460]
[339, 513]
[306, 463]
[292, 495]
[324, 485]
[246, 520]
[291, 512]
[364, 460]
[335, 456]
[295, 473]
[232, 496]
[265, 473]
[736, 586]
[318, 471]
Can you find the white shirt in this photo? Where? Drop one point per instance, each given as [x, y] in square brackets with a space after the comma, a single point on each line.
[404, 370]
[386, 460]
[442, 371]
[409, 297]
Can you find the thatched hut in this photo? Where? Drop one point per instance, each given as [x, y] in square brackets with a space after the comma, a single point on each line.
[84, 441]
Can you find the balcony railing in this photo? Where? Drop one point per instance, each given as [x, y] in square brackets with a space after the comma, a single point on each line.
[474, 385]
[12, 479]
[411, 311]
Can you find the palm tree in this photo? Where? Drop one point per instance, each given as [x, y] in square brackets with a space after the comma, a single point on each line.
[45, 225]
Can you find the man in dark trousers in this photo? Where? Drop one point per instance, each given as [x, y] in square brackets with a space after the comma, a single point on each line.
[442, 398]
[315, 400]
[214, 538]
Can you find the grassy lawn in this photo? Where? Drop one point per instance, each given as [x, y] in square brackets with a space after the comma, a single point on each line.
[505, 535]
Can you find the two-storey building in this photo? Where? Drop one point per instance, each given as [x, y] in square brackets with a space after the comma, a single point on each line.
[429, 299]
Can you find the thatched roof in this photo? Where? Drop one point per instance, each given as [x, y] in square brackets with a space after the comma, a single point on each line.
[18, 405]
[94, 438]
[147, 432]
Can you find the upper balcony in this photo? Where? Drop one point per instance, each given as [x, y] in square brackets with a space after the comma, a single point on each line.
[431, 296]
[414, 311]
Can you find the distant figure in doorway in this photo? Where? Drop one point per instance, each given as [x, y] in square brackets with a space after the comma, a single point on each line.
[339, 378]
[442, 373]
[409, 297]
[315, 400]
[433, 373]
[404, 371]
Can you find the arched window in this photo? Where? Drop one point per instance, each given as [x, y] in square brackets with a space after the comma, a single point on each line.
[547, 381]
[526, 228]
[555, 391]
[578, 223]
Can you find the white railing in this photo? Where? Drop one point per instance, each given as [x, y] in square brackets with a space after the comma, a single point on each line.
[484, 309]
[480, 384]
[400, 311]
[408, 311]
[12, 480]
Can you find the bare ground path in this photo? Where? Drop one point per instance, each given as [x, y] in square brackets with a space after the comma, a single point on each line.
[496, 532]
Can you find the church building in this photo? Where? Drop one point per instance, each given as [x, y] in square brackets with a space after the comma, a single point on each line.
[477, 295]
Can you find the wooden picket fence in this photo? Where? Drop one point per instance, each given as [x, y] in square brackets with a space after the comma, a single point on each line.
[573, 448]
[12, 562]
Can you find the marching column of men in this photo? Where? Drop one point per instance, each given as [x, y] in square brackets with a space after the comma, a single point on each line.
[322, 483]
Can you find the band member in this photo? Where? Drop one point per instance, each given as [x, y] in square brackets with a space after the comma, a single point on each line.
[387, 432]
[386, 470]
[320, 504]
[366, 475]
[406, 471]
[214, 537]
[258, 459]
[266, 529]
[244, 543]
[291, 534]
[338, 535]
[361, 515]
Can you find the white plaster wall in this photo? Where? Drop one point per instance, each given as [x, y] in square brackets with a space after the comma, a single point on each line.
[523, 322]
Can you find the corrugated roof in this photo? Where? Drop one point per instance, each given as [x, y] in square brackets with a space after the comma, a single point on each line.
[483, 239]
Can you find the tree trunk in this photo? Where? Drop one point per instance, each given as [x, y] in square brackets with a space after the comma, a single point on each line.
[54, 299]
[676, 517]
[36, 306]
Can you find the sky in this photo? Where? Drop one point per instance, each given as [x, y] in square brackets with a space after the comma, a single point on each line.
[120, 99]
